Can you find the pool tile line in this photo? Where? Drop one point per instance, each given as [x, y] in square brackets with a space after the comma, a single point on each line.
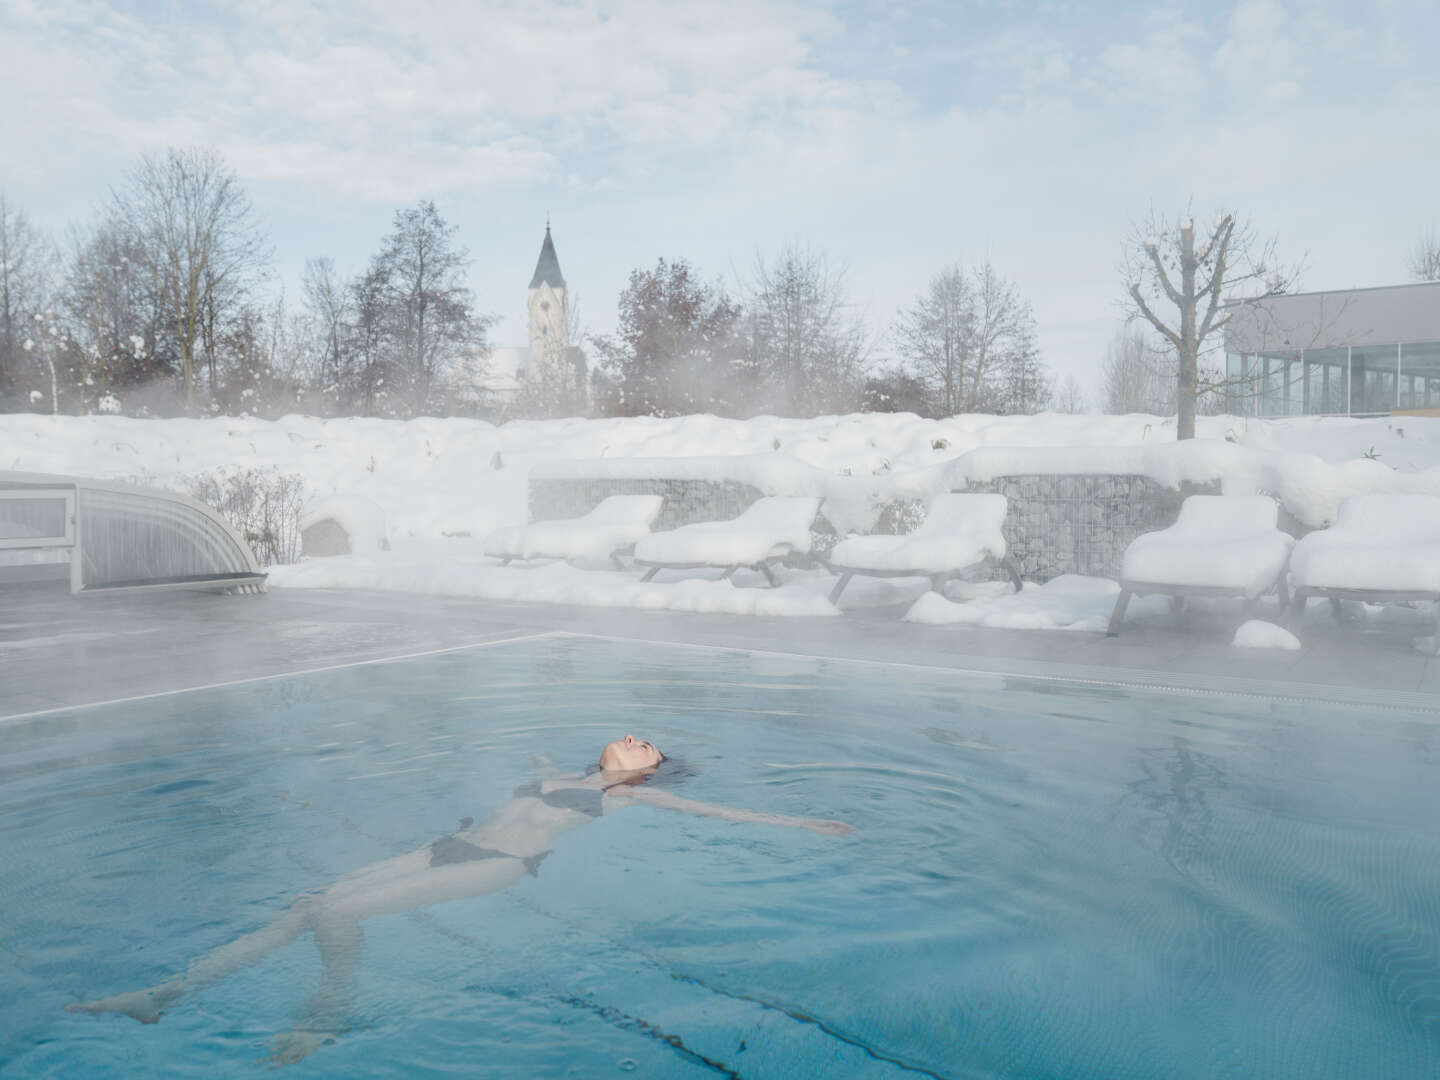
[1223, 686]
[398, 658]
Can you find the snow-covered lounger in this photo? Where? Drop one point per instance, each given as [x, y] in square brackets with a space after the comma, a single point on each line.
[959, 531]
[1381, 549]
[604, 533]
[769, 529]
[1221, 545]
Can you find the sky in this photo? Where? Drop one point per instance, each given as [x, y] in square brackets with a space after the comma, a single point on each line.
[896, 138]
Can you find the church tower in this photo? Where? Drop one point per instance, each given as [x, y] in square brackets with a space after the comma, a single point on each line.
[549, 319]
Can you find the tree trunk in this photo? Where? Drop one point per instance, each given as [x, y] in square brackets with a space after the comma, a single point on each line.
[1189, 346]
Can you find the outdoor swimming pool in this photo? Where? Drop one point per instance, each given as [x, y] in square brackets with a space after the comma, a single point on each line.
[1046, 878]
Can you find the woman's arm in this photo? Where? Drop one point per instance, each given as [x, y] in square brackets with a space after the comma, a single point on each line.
[663, 800]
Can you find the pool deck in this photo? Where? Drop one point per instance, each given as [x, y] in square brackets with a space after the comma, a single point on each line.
[59, 651]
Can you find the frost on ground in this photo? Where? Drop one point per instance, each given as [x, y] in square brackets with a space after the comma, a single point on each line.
[1259, 634]
[1068, 602]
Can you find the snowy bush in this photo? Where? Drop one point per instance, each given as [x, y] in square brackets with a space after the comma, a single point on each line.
[263, 505]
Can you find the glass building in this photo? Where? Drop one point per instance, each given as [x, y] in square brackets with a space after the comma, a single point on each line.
[1354, 352]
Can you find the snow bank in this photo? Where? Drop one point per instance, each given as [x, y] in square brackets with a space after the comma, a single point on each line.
[459, 568]
[1068, 602]
[1259, 634]
[451, 477]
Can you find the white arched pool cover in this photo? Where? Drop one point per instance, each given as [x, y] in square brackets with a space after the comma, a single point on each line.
[123, 537]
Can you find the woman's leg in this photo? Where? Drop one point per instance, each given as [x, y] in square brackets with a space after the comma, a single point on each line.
[324, 1015]
[146, 1005]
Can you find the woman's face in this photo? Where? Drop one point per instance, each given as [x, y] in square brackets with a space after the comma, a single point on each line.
[629, 755]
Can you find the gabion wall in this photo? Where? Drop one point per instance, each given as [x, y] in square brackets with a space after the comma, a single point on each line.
[1055, 525]
[1082, 524]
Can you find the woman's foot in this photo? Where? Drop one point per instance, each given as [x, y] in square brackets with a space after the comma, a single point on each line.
[292, 1047]
[142, 1005]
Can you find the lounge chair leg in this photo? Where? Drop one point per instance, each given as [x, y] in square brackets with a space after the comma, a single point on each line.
[1118, 615]
[839, 588]
[1337, 609]
[937, 583]
[614, 558]
[649, 574]
[769, 575]
[1294, 612]
[728, 571]
[505, 561]
[1013, 569]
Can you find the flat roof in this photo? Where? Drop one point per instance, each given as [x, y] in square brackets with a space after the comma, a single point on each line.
[1335, 318]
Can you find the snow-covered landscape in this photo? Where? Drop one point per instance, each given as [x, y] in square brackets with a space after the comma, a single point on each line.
[436, 487]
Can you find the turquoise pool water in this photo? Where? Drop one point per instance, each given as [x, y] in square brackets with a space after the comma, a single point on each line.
[1045, 878]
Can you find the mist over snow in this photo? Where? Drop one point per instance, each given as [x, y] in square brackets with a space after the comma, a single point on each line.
[436, 487]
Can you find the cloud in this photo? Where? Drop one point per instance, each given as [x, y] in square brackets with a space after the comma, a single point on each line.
[1162, 64]
[359, 97]
[1258, 43]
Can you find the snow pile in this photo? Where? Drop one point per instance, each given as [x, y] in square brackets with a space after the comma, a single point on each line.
[958, 531]
[1068, 602]
[460, 568]
[773, 526]
[438, 477]
[361, 518]
[437, 482]
[1382, 542]
[614, 525]
[1223, 541]
[1259, 634]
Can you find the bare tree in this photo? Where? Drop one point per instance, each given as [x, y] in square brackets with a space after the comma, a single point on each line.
[1425, 261]
[971, 338]
[198, 230]
[1136, 376]
[808, 344]
[430, 308]
[1071, 397]
[935, 336]
[115, 312]
[26, 261]
[1181, 288]
[329, 301]
[1006, 375]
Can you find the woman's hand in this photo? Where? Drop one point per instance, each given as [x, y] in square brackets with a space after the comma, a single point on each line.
[824, 826]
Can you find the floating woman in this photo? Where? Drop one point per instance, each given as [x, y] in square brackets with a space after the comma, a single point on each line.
[482, 859]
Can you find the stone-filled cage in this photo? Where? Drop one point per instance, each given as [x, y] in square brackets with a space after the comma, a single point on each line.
[106, 537]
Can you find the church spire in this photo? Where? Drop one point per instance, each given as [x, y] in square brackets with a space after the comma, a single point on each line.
[547, 270]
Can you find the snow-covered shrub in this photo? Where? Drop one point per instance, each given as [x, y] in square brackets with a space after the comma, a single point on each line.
[263, 505]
